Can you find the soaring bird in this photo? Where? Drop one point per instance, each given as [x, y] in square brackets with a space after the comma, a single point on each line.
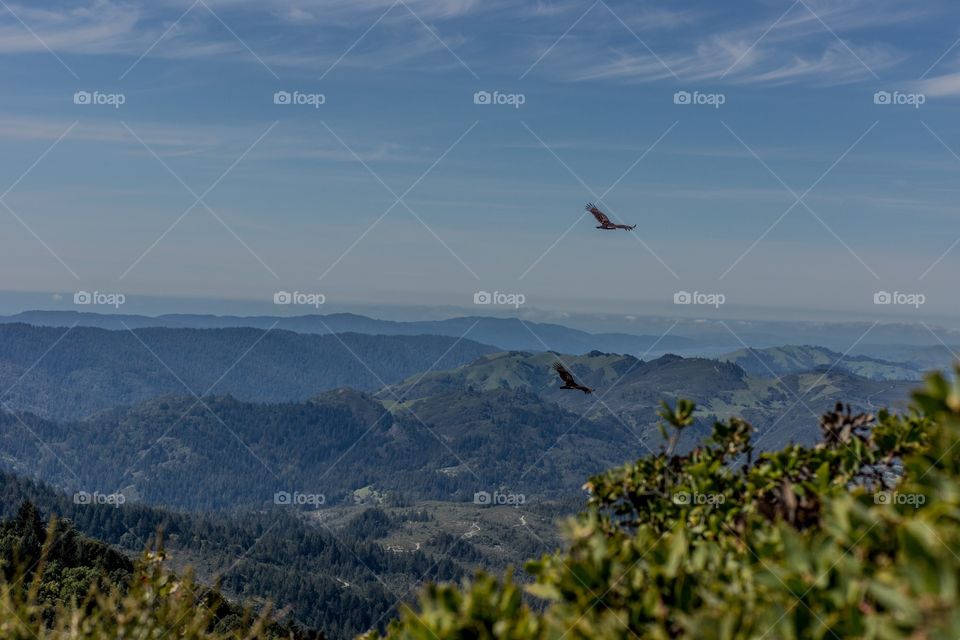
[605, 221]
[568, 381]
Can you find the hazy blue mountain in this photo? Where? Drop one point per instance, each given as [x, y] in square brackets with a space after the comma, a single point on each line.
[630, 390]
[920, 358]
[797, 359]
[505, 333]
[72, 373]
[225, 453]
[500, 421]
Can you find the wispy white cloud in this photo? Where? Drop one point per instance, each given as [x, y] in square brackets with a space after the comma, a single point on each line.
[823, 43]
[947, 85]
[98, 27]
[698, 41]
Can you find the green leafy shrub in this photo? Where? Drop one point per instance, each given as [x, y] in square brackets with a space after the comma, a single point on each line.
[856, 537]
[59, 585]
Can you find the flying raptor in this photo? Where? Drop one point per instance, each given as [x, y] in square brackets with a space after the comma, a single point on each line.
[568, 380]
[605, 221]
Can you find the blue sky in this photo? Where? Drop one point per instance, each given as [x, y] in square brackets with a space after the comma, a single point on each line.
[294, 197]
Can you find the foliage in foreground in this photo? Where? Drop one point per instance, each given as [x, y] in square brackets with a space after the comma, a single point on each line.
[60, 585]
[856, 537]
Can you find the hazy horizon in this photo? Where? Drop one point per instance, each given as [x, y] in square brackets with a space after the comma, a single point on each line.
[797, 161]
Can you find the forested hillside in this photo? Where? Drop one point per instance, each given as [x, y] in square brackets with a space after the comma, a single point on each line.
[70, 373]
[331, 581]
[498, 422]
[852, 538]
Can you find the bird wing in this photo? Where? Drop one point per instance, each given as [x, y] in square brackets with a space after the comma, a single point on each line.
[565, 375]
[599, 215]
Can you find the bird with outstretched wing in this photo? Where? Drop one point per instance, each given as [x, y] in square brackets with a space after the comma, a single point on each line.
[604, 221]
[568, 380]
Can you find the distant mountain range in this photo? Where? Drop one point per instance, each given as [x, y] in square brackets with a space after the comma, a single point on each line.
[499, 421]
[798, 359]
[504, 333]
[68, 374]
[628, 390]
